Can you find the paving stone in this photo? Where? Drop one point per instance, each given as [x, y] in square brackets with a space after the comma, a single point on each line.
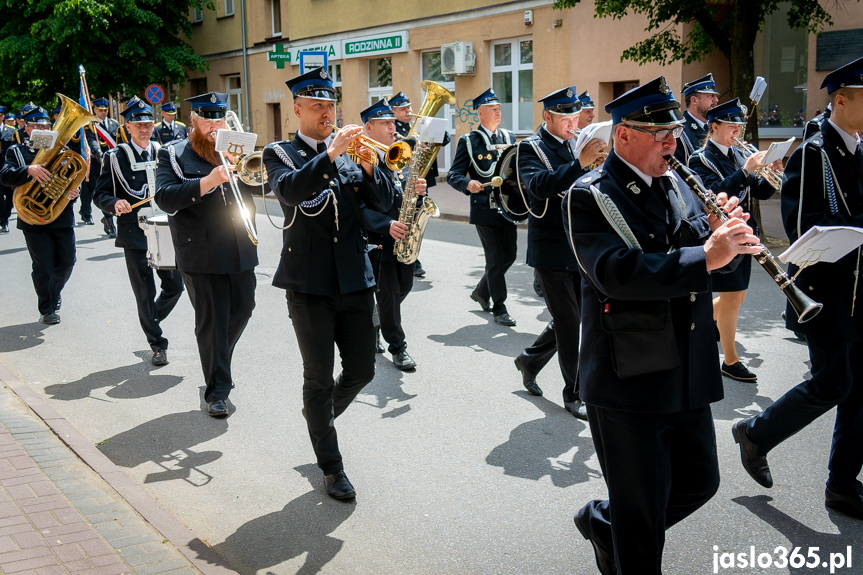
[27, 564]
[95, 547]
[162, 567]
[91, 562]
[28, 540]
[146, 558]
[67, 553]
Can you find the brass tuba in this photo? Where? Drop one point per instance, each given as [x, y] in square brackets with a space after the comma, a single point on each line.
[436, 97]
[40, 204]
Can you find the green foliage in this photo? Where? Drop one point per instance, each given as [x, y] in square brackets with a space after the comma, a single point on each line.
[715, 24]
[124, 45]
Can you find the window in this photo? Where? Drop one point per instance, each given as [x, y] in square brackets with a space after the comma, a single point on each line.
[784, 62]
[380, 79]
[512, 79]
[198, 86]
[276, 120]
[431, 71]
[197, 15]
[229, 7]
[233, 86]
[277, 17]
[335, 71]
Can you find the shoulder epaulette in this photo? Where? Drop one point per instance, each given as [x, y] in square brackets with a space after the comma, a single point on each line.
[590, 178]
[158, 125]
[178, 122]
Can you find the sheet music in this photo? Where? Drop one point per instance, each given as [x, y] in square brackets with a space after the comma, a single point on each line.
[823, 244]
[43, 139]
[431, 130]
[235, 143]
[598, 130]
[778, 150]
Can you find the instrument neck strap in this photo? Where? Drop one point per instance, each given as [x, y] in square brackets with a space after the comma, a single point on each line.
[489, 148]
[322, 197]
[19, 157]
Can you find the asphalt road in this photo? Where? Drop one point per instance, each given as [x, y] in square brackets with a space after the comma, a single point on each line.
[458, 469]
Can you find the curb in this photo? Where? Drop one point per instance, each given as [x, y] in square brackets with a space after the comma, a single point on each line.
[196, 551]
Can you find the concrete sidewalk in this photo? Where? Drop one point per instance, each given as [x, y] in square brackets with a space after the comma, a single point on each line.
[66, 508]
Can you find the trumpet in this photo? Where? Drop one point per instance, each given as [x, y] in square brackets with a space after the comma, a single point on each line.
[773, 177]
[397, 156]
[233, 123]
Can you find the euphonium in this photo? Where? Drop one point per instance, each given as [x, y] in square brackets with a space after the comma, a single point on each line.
[39, 204]
[436, 97]
[396, 156]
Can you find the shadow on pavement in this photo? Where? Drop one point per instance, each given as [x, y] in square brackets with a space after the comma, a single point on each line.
[111, 256]
[547, 446]
[127, 382]
[505, 341]
[386, 388]
[302, 527]
[22, 336]
[799, 535]
[167, 441]
[12, 251]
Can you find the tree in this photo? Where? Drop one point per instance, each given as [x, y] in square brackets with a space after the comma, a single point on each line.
[729, 26]
[123, 44]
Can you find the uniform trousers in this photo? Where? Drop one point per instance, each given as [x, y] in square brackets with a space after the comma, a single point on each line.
[86, 198]
[499, 243]
[6, 195]
[395, 281]
[562, 292]
[659, 468]
[223, 305]
[52, 251]
[837, 380]
[152, 309]
[319, 321]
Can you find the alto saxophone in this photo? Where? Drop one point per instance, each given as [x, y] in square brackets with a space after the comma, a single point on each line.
[407, 249]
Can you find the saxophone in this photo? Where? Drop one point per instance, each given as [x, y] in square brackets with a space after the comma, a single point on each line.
[407, 249]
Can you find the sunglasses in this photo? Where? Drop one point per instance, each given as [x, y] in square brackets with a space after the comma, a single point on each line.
[659, 135]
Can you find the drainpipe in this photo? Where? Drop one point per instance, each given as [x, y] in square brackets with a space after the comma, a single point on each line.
[245, 66]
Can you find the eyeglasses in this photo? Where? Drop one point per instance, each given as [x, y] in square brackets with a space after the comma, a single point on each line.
[659, 135]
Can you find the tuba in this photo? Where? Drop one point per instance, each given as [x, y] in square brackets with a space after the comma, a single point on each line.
[40, 204]
[436, 97]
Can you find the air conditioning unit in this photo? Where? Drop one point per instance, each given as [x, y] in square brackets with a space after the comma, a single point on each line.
[457, 59]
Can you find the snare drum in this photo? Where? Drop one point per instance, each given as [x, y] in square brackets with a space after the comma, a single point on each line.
[160, 246]
[508, 199]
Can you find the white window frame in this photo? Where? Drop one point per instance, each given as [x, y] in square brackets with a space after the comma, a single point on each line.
[197, 15]
[231, 2]
[447, 112]
[238, 92]
[515, 66]
[273, 4]
[378, 92]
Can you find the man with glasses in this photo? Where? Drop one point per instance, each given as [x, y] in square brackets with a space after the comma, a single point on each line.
[698, 96]
[125, 180]
[213, 250]
[474, 164]
[649, 364]
[51, 246]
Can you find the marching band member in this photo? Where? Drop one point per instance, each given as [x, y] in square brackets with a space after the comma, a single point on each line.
[723, 168]
[394, 278]
[126, 179]
[169, 129]
[7, 139]
[698, 97]
[824, 187]
[585, 118]
[547, 168]
[51, 246]
[644, 245]
[213, 251]
[110, 126]
[324, 267]
[21, 131]
[474, 164]
[813, 126]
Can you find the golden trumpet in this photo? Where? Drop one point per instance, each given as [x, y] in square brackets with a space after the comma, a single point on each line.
[397, 156]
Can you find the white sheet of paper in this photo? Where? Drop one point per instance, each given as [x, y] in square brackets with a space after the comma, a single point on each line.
[823, 244]
[231, 142]
[431, 130]
[43, 139]
[597, 131]
[778, 150]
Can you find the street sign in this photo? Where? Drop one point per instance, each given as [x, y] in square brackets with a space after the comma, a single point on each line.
[312, 60]
[154, 94]
[279, 55]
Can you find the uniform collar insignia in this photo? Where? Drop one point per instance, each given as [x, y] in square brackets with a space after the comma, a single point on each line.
[633, 188]
[585, 180]
[694, 126]
[302, 153]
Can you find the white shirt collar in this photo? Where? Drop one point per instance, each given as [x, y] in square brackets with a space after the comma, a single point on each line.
[647, 179]
[850, 140]
[700, 123]
[560, 140]
[312, 143]
[139, 149]
[487, 131]
[723, 149]
[169, 124]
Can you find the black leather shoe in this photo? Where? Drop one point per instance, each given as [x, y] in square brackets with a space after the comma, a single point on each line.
[4, 229]
[160, 357]
[50, 318]
[379, 346]
[403, 361]
[504, 319]
[848, 504]
[217, 408]
[419, 272]
[528, 379]
[576, 408]
[739, 372]
[87, 221]
[59, 303]
[604, 560]
[483, 303]
[754, 462]
[338, 486]
[537, 288]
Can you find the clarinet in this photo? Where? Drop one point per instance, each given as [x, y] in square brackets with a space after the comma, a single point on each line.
[805, 307]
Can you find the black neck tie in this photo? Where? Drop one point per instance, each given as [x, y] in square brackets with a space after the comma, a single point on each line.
[322, 147]
[495, 139]
[145, 156]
